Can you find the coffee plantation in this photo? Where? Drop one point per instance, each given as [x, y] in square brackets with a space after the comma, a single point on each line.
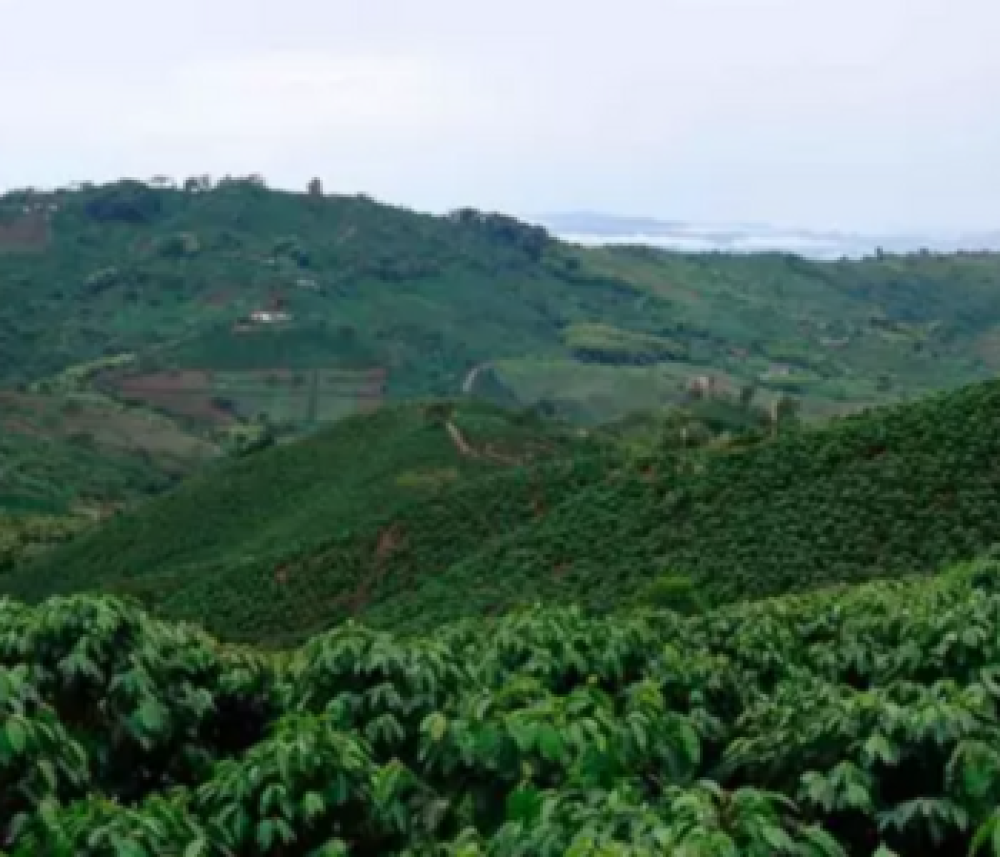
[856, 721]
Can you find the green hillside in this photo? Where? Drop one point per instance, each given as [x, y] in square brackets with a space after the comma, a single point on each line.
[849, 723]
[886, 493]
[68, 460]
[286, 542]
[170, 278]
[384, 516]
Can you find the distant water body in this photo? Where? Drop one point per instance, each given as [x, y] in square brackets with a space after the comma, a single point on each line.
[814, 248]
[756, 238]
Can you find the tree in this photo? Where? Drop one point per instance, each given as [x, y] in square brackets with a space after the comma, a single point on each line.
[316, 188]
[198, 184]
[126, 202]
[439, 413]
[785, 412]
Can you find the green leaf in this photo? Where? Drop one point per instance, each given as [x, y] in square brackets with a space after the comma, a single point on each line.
[16, 735]
[524, 805]
[313, 805]
[152, 716]
[550, 743]
[437, 726]
[777, 839]
[265, 834]
[128, 848]
[198, 848]
[49, 773]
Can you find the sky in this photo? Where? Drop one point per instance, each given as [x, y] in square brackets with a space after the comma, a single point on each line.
[850, 114]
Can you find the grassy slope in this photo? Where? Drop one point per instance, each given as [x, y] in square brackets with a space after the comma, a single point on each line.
[286, 542]
[67, 460]
[78, 453]
[889, 492]
[365, 519]
[429, 298]
[426, 297]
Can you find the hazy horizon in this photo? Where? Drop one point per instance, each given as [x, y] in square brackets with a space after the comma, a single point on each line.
[815, 115]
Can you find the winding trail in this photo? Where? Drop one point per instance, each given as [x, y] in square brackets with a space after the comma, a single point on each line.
[464, 448]
[470, 379]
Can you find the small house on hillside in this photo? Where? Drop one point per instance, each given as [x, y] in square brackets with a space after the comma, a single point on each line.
[269, 316]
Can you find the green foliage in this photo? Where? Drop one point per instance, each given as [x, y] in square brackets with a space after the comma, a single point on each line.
[848, 722]
[672, 592]
[23, 535]
[164, 273]
[891, 492]
[327, 525]
[60, 476]
[603, 343]
[386, 517]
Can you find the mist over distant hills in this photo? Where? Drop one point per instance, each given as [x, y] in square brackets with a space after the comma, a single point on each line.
[596, 228]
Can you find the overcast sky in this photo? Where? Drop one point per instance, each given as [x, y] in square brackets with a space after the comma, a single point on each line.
[867, 114]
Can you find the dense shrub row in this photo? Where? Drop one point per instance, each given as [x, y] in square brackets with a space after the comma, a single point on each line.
[852, 722]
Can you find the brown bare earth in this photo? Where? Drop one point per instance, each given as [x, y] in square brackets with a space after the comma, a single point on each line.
[185, 393]
[27, 233]
[106, 424]
[193, 393]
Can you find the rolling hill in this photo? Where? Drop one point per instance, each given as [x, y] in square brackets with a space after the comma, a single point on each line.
[293, 539]
[384, 517]
[393, 304]
[70, 460]
[890, 492]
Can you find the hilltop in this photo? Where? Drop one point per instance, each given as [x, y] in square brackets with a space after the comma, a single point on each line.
[385, 517]
[218, 302]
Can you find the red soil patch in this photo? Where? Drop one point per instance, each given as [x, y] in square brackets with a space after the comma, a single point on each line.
[24, 402]
[19, 426]
[389, 541]
[27, 233]
[188, 393]
[538, 505]
[188, 380]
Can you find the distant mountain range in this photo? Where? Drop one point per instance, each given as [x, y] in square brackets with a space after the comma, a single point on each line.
[596, 228]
